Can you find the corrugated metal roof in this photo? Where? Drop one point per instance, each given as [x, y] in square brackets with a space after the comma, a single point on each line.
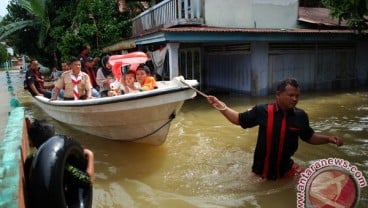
[251, 30]
[320, 16]
[316, 16]
[122, 45]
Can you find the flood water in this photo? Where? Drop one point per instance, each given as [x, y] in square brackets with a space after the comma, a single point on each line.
[206, 161]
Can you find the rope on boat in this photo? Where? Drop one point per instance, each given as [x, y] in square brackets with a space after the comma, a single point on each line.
[171, 117]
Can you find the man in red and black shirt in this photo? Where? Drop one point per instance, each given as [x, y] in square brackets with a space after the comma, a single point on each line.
[34, 81]
[281, 124]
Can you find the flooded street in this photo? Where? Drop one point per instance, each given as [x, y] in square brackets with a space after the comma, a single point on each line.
[206, 161]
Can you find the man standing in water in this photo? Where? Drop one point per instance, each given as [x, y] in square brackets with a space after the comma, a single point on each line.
[281, 124]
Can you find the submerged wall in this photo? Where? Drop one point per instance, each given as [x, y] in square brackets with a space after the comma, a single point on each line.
[13, 152]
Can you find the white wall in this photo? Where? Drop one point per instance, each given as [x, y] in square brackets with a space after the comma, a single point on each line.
[251, 13]
[228, 13]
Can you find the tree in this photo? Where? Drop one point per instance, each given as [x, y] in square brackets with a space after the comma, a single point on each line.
[4, 55]
[50, 30]
[97, 22]
[26, 28]
[353, 11]
[38, 19]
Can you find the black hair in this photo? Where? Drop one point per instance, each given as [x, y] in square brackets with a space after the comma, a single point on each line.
[105, 60]
[288, 81]
[83, 47]
[65, 61]
[40, 131]
[145, 68]
[73, 59]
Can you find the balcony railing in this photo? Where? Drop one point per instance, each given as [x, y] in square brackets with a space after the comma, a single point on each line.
[169, 13]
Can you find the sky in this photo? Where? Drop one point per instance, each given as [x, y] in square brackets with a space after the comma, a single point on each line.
[3, 4]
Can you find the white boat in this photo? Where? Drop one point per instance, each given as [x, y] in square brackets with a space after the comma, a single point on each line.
[143, 117]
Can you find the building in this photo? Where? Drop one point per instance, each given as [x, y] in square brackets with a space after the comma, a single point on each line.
[247, 46]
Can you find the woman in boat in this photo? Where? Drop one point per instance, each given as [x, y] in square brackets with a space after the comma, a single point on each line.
[104, 76]
[143, 76]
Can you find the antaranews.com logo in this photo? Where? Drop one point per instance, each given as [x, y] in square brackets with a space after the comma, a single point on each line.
[331, 182]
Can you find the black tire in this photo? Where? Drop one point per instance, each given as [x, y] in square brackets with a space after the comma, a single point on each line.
[48, 182]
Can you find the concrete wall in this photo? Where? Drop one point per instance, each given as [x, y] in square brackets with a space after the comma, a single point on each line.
[251, 13]
[229, 13]
[13, 152]
[275, 13]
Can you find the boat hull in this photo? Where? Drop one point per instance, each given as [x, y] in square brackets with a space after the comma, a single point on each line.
[144, 118]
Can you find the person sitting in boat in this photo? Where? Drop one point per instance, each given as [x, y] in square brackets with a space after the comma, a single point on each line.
[125, 86]
[92, 76]
[55, 74]
[34, 82]
[104, 76]
[128, 83]
[143, 76]
[65, 66]
[39, 131]
[76, 84]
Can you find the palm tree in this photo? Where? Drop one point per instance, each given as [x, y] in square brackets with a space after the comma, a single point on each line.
[38, 19]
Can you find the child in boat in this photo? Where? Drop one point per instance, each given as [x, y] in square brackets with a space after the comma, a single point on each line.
[128, 83]
[143, 76]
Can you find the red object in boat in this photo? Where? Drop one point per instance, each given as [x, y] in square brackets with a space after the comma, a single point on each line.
[133, 59]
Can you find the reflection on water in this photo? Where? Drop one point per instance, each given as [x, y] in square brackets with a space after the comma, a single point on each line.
[206, 161]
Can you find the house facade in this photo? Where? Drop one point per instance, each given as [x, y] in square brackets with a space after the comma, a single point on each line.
[247, 46]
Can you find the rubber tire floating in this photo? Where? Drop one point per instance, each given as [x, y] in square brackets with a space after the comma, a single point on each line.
[50, 187]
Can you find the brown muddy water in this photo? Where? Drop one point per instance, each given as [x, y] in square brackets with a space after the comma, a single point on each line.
[206, 161]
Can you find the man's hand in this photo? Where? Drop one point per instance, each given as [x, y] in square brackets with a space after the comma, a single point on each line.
[336, 140]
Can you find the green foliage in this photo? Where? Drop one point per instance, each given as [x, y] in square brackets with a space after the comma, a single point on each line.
[26, 27]
[95, 22]
[4, 56]
[353, 11]
[49, 29]
[10, 28]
